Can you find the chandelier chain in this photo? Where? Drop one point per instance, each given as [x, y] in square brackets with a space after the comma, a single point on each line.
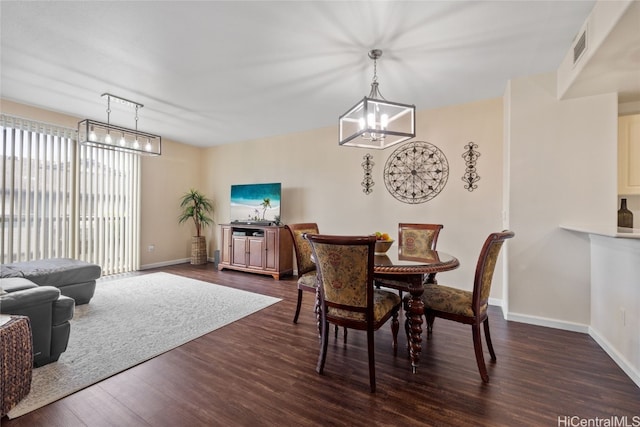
[108, 108]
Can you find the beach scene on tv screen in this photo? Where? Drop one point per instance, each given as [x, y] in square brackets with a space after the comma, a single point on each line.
[255, 202]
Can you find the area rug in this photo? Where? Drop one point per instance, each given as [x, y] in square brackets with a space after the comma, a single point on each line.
[132, 320]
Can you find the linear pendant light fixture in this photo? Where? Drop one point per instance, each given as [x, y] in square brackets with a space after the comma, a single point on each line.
[118, 138]
[375, 122]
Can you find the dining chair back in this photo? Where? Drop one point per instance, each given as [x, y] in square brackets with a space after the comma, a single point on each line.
[468, 307]
[306, 267]
[414, 240]
[347, 295]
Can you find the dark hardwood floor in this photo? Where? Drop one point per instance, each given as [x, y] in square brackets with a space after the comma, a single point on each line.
[260, 371]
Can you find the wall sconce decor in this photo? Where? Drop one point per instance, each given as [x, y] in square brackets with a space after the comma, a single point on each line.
[470, 173]
[111, 137]
[375, 122]
[367, 181]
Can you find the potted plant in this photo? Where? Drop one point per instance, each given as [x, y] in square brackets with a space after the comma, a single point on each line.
[197, 207]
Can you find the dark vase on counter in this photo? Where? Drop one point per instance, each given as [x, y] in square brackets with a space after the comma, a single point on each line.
[625, 216]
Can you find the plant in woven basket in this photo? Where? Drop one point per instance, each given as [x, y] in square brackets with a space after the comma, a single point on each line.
[197, 207]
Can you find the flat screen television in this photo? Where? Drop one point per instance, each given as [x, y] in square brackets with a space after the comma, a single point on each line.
[256, 203]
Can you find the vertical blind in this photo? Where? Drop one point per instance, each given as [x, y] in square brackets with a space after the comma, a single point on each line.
[108, 209]
[64, 200]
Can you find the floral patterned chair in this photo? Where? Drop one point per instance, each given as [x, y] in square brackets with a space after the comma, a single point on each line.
[306, 267]
[307, 280]
[413, 241]
[347, 295]
[468, 307]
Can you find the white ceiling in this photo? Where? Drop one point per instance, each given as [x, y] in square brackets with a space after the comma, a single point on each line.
[217, 72]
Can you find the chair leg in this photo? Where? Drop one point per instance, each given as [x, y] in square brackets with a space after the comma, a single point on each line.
[345, 334]
[318, 311]
[477, 346]
[298, 304]
[323, 347]
[407, 330]
[395, 325]
[372, 361]
[431, 317]
[487, 336]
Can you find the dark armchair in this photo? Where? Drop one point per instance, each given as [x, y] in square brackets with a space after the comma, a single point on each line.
[48, 311]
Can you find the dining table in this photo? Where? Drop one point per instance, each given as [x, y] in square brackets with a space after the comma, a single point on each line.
[408, 274]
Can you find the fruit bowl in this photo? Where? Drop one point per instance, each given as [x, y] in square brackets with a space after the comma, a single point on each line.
[382, 246]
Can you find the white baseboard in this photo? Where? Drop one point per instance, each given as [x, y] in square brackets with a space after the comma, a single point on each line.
[620, 360]
[164, 263]
[547, 322]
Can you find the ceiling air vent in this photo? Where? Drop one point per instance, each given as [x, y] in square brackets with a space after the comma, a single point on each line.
[580, 46]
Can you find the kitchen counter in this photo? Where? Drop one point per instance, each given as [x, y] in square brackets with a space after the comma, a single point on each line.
[615, 293]
[617, 232]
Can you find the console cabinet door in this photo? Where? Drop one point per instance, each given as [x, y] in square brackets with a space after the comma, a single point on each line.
[225, 249]
[271, 238]
[255, 257]
[240, 249]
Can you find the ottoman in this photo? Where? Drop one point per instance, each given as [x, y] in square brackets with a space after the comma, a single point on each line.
[75, 279]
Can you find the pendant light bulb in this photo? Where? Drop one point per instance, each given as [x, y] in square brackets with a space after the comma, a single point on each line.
[384, 121]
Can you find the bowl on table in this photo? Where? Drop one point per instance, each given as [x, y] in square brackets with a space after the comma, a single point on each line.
[382, 246]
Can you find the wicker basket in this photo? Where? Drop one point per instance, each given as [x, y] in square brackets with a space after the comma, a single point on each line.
[16, 361]
[198, 250]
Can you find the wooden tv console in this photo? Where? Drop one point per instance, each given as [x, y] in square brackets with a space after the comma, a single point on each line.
[262, 249]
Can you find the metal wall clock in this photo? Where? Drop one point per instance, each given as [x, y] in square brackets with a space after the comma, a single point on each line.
[416, 172]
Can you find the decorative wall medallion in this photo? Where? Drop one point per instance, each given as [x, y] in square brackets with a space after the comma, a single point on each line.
[470, 173]
[416, 172]
[367, 181]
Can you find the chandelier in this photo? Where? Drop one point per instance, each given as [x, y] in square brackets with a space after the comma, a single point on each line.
[375, 122]
[118, 138]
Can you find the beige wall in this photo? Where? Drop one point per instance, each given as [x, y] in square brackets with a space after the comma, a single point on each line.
[562, 159]
[164, 180]
[322, 182]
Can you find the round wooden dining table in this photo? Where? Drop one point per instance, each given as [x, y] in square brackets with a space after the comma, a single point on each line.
[407, 274]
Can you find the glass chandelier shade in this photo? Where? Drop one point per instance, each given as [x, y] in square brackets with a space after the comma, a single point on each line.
[375, 122]
[111, 137]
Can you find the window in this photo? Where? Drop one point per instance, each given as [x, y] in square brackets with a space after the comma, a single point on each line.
[64, 200]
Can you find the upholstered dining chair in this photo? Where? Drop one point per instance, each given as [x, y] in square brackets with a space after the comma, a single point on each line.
[307, 280]
[414, 240]
[468, 307]
[347, 295]
[306, 267]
